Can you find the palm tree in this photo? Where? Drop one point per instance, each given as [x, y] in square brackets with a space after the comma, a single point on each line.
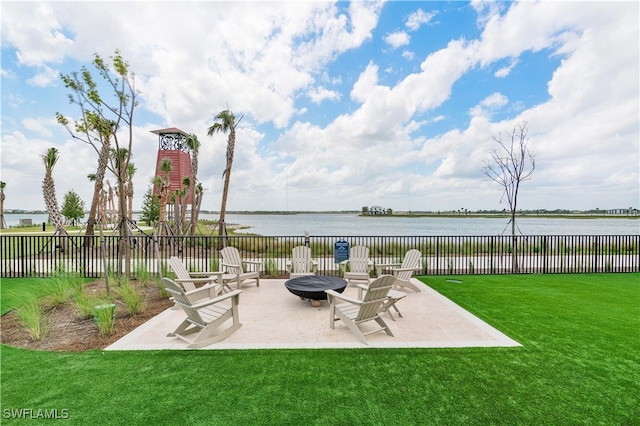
[2, 224]
[162, 183]
[183, 197]
[131, 171]
[193, 144]
[225, 122]
[49, 159]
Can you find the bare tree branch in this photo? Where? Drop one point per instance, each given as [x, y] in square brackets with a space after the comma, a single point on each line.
[511, 164]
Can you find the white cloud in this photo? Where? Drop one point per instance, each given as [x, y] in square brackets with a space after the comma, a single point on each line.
[418, 18]
[390, 135]
[35, 31]
[397, 39]
[409, 55]
[505, 71]
[8, 74]
[45, 77]
[489, 104]
[38, 126]
[364, 86]
[319, 94]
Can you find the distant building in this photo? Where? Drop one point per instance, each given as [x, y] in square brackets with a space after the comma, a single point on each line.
[378, 210]
[627, 212]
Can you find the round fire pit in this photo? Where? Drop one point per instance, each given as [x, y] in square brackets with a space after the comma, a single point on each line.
[313, 286]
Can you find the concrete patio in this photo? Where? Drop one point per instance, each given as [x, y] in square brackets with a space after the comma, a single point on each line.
[273, 318]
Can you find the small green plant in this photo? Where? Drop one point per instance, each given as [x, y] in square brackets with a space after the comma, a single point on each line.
[270, 267]
[213, 264]
[471, 268]
[166, 271]
[142, 273]
[57, 289]
[85, 304]
[32, 318]
[162, 290]
[105, 317]
[131, 296]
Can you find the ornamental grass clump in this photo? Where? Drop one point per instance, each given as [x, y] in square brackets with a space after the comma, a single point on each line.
[61, 283]
[132, 296]
[85, 304]
[270, 266]
[58, 290]
[162, 291]
[33, 319]
[105, 317]
[142, 273]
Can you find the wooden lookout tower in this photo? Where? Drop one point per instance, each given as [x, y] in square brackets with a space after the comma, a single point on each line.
[172, 146]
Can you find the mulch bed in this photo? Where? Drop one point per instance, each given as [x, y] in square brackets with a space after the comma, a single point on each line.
[68, 332]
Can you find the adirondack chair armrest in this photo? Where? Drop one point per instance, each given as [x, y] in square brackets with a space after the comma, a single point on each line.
[414, 269]
[389, 265]
[203, 273]
[393, 294]
[204, 289]
[230, 265]
[192, 280]
[343, 297]
[202, 304]
[252, 262]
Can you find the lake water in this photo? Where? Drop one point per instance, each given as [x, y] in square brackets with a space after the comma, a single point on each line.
[354, 225]
[329, 224]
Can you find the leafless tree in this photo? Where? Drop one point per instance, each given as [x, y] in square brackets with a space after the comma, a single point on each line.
[511, 164]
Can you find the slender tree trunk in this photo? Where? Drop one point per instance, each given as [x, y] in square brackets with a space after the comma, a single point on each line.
[222, 226]
[2, 224]
[124, 230]
[195, 211]
[514, 238]
[192, 191]
[103, 159]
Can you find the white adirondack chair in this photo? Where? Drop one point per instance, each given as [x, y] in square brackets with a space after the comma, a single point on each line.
[359, 265]
[205, 317]
[190, 280]
[411, 263]
[393, 297]
[354, 312]
[234, 267]
[301, 263]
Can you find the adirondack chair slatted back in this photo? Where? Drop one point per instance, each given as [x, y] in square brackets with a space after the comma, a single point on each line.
[231, 256]
[182, 299]
[181, 272]
[412, 259]
[359, 259]
[301, 260]
[374, 298]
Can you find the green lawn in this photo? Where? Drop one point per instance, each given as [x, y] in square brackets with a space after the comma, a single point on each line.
[579, 364]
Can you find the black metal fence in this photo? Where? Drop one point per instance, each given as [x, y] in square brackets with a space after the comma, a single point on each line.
[40, 255]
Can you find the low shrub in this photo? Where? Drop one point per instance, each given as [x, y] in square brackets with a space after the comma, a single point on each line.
[32, 318]
[105, 317]
[132, 296]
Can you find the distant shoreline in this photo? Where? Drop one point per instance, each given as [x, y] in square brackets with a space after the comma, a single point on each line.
[412, 215]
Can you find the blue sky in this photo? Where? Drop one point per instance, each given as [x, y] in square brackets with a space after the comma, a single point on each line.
[345, 105]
